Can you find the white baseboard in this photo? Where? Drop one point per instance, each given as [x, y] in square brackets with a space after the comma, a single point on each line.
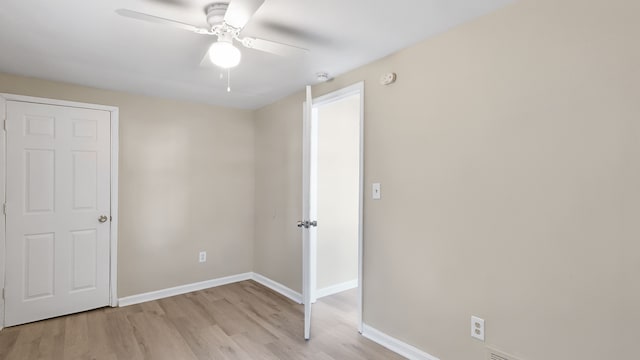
[182, 289]
[395, 345]
[334, 289]
[277, 287]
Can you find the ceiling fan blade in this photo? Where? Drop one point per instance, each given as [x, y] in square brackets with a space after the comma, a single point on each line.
[158, 20]
[240, 11]
[273, 47]
[206, 61]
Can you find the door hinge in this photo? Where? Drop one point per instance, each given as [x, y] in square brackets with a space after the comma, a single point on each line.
[4, 124]
[4, 208]
[2, 293]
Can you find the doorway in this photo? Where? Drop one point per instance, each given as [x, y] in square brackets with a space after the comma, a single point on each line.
[59, 167]
[333, 198]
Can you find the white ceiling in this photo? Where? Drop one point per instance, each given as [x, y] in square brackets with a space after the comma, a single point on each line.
[86, 42]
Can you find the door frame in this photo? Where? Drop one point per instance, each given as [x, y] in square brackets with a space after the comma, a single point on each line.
[351, 90]
[113, 229]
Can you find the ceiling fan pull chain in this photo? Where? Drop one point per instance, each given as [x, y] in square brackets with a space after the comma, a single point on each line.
[228, 80]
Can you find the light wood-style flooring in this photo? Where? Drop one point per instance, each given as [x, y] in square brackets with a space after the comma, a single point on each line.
[244, 320]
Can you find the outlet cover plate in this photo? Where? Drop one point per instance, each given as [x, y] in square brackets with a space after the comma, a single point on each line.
[477, 328]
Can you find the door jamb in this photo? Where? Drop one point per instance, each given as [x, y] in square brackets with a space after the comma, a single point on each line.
[113, 253]
[354, 89]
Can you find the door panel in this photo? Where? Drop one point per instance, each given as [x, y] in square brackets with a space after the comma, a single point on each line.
[85, 180]
[38, 260]
[83, 260]
[39, 181]
[58, 185]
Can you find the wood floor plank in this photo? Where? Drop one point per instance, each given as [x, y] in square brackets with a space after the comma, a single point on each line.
[187, 308]
[99, 342]
[121, 338]
[52, 342]
[241, 321]
[158, 338]
[27, 343]
[229, 348]
[76, 339]
[7, 341]
[254, 350]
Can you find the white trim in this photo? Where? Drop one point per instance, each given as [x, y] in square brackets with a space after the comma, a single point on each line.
[351, 90]
[313, 203]
[395, 345]
[4, 97]
[37, 100]
[360, 88]
[3, 190]
[182, 289]
[277, 287]
[113, 265]
[337, 288]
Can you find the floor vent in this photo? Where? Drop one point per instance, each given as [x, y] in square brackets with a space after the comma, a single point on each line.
[493, 354]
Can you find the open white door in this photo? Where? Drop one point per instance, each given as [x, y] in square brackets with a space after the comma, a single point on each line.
[307, 225]
[310, 200]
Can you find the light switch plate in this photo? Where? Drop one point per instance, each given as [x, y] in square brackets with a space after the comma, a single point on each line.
[375, 191]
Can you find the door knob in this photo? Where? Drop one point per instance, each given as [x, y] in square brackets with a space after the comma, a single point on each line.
[103, 218]
[307, 224]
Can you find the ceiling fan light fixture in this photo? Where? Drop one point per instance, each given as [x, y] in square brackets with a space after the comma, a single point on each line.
[224, 54]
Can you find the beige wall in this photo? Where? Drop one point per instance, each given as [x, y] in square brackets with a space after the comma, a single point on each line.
[278, 149]
[338, 159]
[186, 184]
[509, 157]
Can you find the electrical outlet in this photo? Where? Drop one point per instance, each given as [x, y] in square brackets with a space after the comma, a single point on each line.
[202, 257]
[477, 328]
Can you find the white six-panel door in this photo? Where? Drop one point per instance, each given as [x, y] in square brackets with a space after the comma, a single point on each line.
[58, 187]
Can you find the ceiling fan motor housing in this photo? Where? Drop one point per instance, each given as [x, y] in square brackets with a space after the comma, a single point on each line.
[215, 13]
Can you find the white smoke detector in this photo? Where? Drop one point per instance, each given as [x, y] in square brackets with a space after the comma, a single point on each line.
[322, 76]
[388, 78]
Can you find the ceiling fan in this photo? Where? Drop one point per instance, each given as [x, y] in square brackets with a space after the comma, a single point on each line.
[226, 21]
